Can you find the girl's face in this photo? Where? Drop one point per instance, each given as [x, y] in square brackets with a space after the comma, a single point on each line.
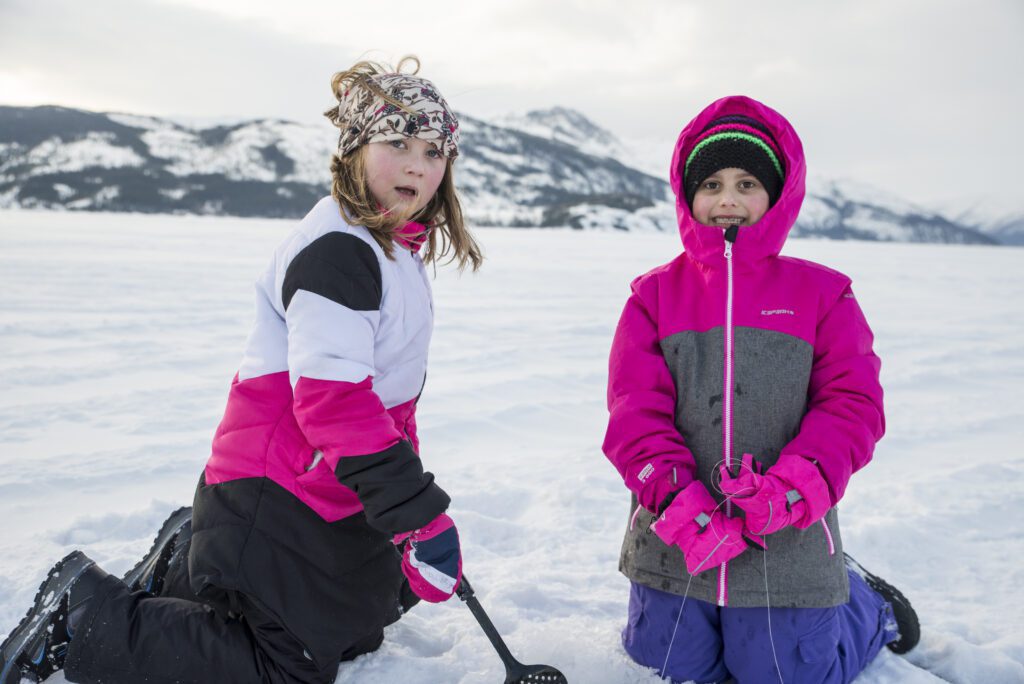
[403, 175]
[730, 197]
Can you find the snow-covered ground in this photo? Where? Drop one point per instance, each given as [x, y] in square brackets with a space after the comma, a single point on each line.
[120, 334]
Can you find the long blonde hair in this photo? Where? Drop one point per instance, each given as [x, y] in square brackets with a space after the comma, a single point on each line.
[447, 233]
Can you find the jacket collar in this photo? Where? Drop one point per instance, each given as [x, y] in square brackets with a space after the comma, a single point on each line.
[411, 236]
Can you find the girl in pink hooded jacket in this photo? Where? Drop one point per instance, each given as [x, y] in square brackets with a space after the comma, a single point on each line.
[743, 393]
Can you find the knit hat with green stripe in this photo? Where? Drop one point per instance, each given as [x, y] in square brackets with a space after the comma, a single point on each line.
[735, 142]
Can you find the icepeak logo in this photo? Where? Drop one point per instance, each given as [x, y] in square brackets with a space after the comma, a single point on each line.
[645, 473]
[778, 312]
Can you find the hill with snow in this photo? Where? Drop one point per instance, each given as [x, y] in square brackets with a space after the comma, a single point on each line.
[546, 168]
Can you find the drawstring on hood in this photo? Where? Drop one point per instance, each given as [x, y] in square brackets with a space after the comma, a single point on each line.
[765, 238]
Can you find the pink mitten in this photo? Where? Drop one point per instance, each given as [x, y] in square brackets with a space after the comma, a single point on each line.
[657, 483]
[791, 493]
[705, 535]
[432, 559]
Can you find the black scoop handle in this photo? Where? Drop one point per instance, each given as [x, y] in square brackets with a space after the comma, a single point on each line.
[465, 592]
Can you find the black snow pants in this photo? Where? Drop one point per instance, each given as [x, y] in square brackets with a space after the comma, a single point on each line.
[228, 637]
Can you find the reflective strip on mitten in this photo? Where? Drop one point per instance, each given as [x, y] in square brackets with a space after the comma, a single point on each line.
[705, 535]
[432, 559]
[791, 493]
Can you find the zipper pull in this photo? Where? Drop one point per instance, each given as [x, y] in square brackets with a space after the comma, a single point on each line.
[317, 457]
[730, 237]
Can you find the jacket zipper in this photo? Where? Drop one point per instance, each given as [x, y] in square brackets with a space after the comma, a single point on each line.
[730, 238]
[415, 403]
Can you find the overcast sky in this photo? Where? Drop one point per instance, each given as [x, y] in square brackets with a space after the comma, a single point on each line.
[922, 98]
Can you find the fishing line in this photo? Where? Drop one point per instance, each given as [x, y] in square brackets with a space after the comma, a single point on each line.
[686, 593]
[672, 641]
[721, 541]
[767, 595]
[768, 602]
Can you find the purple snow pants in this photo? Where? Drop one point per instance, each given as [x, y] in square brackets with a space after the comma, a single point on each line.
[712, 644]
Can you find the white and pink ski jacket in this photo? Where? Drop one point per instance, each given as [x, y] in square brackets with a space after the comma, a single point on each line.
[731, 349]
[324, 403]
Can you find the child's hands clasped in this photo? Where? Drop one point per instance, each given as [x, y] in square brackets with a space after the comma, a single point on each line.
[706, 536]
[791, 493]
[432, 559]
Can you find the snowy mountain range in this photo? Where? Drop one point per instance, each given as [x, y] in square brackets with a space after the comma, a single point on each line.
[545, 168]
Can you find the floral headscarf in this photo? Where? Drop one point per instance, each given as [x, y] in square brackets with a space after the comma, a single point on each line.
[364, 116]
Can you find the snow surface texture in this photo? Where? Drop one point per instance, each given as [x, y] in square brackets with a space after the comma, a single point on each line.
[121, 334]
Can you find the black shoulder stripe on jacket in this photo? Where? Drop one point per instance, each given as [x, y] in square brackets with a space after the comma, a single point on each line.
[396, 494]
[338, 266]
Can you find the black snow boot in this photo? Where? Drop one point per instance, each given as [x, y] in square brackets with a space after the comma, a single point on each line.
[906, 619]
[37, 646]
[148, 575]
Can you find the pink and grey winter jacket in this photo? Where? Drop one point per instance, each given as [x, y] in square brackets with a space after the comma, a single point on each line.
[324, 403]
[723, 352]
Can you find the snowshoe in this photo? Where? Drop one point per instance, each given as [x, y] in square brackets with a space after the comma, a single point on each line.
[148, 575]
[906, 619]
[37, 646]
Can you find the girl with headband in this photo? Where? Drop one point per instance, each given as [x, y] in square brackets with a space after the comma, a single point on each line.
[314, 524]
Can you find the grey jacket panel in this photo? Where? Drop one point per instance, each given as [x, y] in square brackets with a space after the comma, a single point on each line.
[771, 371]
[801, 573]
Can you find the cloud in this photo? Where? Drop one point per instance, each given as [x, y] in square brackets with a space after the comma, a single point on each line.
[159, 59]
[908, 94]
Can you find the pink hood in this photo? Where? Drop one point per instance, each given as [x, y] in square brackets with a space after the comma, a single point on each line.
[766, 237]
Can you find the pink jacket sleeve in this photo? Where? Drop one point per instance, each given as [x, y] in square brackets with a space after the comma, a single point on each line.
[844, 416]
[642, 441]
[343, 418]
[332, 293]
